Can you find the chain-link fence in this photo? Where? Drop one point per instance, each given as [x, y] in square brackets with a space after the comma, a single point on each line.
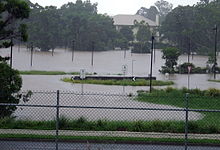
[84, 121]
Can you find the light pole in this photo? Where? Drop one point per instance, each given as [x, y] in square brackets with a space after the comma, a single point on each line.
[215, 61]
[93, 47]
[73, 48]
[32, 49]
[151, 62]
[189, 49]
[11, 52]
[132, 68]
[189, 67]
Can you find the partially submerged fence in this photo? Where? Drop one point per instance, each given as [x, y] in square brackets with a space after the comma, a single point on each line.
[70, 120]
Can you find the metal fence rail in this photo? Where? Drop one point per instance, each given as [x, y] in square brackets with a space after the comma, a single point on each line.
[66, 120]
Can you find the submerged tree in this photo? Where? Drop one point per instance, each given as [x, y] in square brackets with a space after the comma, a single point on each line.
[171, 55]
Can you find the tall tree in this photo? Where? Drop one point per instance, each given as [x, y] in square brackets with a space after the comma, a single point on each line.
[148, 13]
[191, 27]
[50, 27]
[164, 8]
[11, 11]
[44, 28]
[127, 32]
[143, 33]
[171, 55]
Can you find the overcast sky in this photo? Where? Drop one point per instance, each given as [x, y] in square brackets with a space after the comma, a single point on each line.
[114, 7]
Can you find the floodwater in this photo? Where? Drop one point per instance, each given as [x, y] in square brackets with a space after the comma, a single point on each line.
[104, 63]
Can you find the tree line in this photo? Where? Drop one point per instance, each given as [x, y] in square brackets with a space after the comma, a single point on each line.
[192, 28]
[74, 25]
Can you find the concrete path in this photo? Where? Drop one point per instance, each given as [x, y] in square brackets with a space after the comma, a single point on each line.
[111, 134]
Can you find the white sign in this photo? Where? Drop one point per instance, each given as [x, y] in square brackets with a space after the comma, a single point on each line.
[124, 69]
[189, 69]
[82, 73]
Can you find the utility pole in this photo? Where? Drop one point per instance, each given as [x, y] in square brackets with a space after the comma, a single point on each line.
[11, 57]
[32, 49]
[215, 61]
[93, 47]
[189, 49]
[73, 48]
[151, 62]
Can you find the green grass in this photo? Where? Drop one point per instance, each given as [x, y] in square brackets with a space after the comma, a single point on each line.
[38, 72]
[205, 126]
[121, 82]
[214, 80]
[207, 99]
[107, 139]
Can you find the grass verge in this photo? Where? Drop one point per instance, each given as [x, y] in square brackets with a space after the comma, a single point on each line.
[38, 72]
[204, 126]
[108, 139]
[214, 80]
[121, 82]
[198, 99]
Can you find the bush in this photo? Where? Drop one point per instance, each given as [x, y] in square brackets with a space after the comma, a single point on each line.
[11, 83]
[212, 92]
[141, 47]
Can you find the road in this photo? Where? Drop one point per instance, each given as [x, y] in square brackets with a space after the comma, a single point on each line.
[15, 145]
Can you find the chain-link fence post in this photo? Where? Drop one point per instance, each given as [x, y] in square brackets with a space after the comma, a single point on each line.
[57, 118]
[187, 119]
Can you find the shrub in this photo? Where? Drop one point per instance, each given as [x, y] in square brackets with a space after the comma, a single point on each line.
[141, 47]
[11, 83]
[212, 92]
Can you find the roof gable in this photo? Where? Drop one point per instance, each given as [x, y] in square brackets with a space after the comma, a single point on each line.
[129, 20]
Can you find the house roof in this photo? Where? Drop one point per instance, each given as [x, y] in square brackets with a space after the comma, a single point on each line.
[129, 20]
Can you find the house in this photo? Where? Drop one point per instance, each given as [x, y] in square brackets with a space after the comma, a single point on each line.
[129, 20]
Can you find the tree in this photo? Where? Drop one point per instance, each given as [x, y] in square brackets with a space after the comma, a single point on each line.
[171, 55]
[164, 8]
[11, 11]
[192, 26]
[127, 32]
[50, 27]
[148, 13]
[10, 85]
[143, 33]
[44, 28]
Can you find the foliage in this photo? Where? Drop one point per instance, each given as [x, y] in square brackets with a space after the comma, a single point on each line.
[161, 8]
[170, 55]
[127, 32]
[50, 27]
[191, 27]
[138, 82]
[10, 85]
[141, 47]
[183, 68]
[143, 33]
[11, 12]
[148, 13]
[164, 8]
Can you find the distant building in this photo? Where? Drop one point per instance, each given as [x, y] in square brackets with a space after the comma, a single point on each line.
[129, 20]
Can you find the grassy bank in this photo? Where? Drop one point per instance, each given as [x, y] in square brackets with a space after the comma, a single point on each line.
[106, 139]
[38, 72]
[207, 99]
[205, 126]
[214, 80]
[121, 82]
